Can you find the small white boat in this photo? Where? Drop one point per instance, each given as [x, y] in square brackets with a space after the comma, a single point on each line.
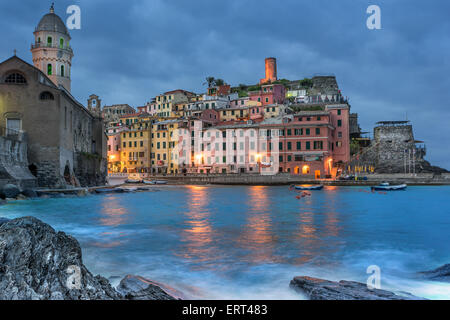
[387, 187]
[132, 181]
[309, 187]
[155, 181]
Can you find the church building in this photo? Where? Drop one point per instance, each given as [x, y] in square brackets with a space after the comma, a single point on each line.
[66, 141]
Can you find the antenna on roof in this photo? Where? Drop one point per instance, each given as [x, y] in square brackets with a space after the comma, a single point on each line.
[15, 52]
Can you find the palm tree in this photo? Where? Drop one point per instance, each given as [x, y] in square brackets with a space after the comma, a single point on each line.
[210, 81]
[219, 82]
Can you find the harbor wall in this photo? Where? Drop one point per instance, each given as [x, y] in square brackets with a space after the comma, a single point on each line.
[14, 162]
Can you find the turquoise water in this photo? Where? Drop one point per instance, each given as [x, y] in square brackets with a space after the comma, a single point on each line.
[248, 242]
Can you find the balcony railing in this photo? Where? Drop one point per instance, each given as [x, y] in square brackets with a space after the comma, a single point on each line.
[50, 45]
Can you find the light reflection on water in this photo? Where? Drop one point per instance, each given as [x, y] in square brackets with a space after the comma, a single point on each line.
[248, 242]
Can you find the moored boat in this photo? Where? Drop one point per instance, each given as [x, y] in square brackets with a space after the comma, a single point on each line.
[154, 181]
[132, 181]
[387, 187]
[309, 187]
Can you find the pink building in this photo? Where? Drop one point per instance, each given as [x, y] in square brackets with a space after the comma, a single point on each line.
[314, 143]
[269, 94]
[113, 147]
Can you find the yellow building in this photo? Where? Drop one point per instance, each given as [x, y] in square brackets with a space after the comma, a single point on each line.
[164, 154]
[234, 113]
[135, 153]
[165, 103]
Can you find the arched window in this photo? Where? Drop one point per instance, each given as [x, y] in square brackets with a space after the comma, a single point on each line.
[49, 69]
[49, 41]
[62, 71]
[39, 40]
[15, 78]
[61, 43]
[46, 96]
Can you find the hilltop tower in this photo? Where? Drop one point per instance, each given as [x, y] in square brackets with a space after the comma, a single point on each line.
[271, 70]
[51, 51]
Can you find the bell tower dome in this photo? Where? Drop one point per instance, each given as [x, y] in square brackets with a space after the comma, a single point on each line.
[51, 51]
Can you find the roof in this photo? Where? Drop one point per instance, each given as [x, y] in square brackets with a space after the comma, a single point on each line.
[52, 22]
[392, 123]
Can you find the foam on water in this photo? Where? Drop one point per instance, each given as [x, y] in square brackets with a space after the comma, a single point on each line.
[248, 242]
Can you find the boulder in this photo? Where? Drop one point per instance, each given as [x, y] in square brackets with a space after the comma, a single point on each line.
[321, 289]
[30, 193]
[138, 288]
[36, 262]
[440, 274]
[9, 191]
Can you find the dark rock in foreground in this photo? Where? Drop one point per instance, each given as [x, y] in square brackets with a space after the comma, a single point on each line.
[138, 288]
[320, 289]
[440, 274]
[36, 262]
[9, 191]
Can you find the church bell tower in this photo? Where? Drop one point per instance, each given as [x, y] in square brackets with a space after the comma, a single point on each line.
[51, 51]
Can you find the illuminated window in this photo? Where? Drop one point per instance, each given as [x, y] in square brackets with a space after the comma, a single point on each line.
[305, 169]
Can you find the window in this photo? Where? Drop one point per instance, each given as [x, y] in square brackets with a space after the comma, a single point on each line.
[289, 145]
[308, 145]
[61, 43]
[317, 131]
[62, 71]
[49, 41]
[46, 96]
[267, 99]
[15, 78]
[280, 145]
[339, 134]
[339, 123]
[49, 69]
[307, 131]
[13, 126]
[299, 145]
[339, 112]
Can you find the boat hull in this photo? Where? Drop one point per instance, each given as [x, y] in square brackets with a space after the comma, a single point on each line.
[389, 188]
[309, 187]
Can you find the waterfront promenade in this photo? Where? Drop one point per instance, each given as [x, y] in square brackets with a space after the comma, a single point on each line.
[286, 179]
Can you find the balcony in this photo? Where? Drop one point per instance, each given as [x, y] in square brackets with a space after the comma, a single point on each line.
[37, 45]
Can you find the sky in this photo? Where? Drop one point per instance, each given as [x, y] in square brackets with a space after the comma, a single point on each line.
[131, 51]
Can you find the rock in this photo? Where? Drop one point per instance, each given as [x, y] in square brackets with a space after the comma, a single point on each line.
[82, 193]
[21, 197]
[9, 191]
[440, 274]
[320, 289]
[138, 288]
[3, 220]
[30, 193]
[36, 262]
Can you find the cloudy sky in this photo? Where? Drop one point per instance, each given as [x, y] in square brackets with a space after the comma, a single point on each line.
[130, 51]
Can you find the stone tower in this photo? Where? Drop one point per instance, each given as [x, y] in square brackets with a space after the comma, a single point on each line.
[271, 70]
[94, 105]
[51, 51]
